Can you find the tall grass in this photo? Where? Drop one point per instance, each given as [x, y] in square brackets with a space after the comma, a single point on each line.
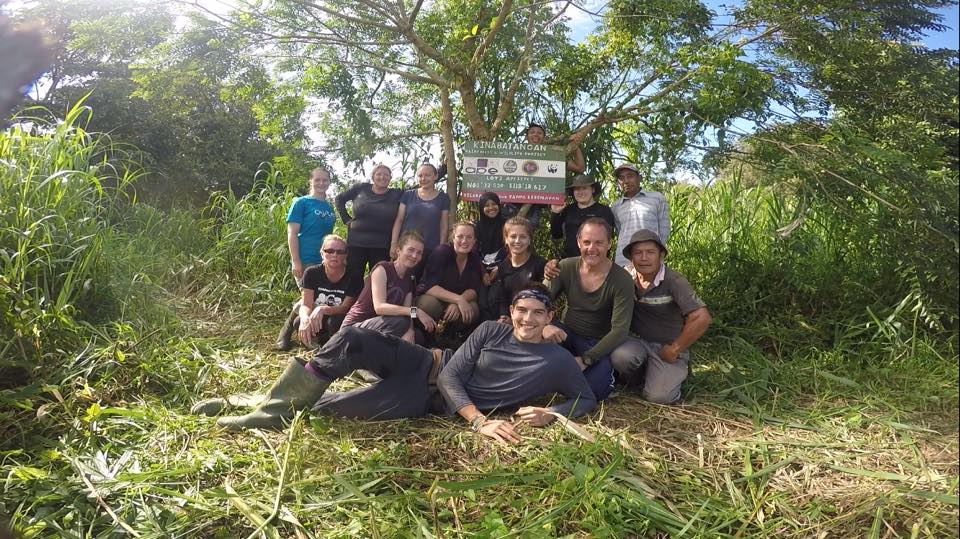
[59, 190]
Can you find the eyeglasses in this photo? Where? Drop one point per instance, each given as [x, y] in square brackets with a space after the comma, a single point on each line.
[335, 251]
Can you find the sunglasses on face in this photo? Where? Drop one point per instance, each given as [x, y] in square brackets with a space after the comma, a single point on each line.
[335, 251]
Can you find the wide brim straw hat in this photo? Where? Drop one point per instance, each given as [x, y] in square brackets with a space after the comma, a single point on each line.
[583, 180]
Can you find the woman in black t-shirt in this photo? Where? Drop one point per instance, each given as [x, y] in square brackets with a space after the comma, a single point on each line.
[375, 207]
[327, 292]
[519, 268]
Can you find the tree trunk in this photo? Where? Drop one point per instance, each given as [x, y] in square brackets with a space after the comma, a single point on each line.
[446, 136]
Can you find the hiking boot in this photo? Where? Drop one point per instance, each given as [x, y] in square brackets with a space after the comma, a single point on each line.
[292, 324]
[296, 389]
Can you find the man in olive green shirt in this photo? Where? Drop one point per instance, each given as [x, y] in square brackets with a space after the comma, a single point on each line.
[599, 304]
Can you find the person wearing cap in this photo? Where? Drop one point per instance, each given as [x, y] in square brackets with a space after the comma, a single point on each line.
[537, 134]
[566, 220]
[668, 317]
[637, 209]
[599, 298]
[499, 367]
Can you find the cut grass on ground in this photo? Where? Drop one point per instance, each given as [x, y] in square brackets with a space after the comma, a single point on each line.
[816, 444]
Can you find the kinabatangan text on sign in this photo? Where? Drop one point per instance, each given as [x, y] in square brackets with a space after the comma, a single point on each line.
[517, 173]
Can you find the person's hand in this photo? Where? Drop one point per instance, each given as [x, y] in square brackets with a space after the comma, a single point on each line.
[451, 313]
[556, 208]
[535, 416]
[580, 363]
[428, 322]
[552, 269]
[316, 318]
[297, 270]
[554, 334]
[504, 319]
[501, 431]
[393, 252]
[466, 311]
[669, 353]
[306, 331]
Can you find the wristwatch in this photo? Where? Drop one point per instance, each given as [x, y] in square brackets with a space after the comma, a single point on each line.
[477, 422]
[413, 312]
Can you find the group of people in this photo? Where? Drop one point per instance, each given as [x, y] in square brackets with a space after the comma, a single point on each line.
[631, 321]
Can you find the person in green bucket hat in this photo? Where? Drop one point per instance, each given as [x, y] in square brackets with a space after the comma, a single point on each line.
[565, 221]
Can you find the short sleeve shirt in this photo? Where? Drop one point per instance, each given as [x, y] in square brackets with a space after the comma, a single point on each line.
[326, 292]
[658, 313]
[316, 220]
[423, 216]
[373, 216]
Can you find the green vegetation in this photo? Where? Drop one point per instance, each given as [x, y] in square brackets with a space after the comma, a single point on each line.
[824, 399]
[820, 404]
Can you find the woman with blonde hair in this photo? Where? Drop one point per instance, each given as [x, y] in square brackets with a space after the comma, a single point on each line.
[425, 210]
[310, 218]
[326, 295]
[374, 207]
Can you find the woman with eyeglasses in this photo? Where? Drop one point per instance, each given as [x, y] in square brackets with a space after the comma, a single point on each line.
[327, 293]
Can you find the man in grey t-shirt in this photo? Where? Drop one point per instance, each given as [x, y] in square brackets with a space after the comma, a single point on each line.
[668, 317]
[499, 367]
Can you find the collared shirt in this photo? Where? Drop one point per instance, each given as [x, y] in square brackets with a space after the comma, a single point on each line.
[656, 280]
[646, 209]
[659, 311]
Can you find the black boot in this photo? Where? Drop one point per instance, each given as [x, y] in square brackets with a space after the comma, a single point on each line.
[296, 389]
[286, 333]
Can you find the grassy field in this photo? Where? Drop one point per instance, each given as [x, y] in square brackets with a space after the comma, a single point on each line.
[822, 403]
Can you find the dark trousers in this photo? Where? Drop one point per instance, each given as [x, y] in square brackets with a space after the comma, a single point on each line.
[600, 374]
[404, 369]
[360, 258]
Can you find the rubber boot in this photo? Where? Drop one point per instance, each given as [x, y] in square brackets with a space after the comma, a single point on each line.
[216, 406]
[286, 333]
[296, 389]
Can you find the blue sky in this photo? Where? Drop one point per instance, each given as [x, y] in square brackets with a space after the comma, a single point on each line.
[581, 23]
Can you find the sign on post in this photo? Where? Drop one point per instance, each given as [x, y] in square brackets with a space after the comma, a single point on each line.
[517, 173]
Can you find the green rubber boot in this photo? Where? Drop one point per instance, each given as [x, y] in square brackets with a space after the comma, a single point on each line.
[216, 406]
[295, 390]
[284, 340]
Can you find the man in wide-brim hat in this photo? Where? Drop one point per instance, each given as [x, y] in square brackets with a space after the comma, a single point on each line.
[566, 220]
[668, 318]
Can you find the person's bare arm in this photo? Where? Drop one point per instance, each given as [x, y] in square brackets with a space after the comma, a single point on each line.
[497, 429]
[378, 291]
[293, 245]
[445, 295]
[576, 162]
[343, 308]
[397, 223]
[307, 327]
[694, 326]
[444, 222]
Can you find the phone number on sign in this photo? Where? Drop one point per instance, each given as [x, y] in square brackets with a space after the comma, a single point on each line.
[491, 186]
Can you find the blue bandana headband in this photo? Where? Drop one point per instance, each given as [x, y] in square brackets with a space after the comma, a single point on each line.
[533, 293]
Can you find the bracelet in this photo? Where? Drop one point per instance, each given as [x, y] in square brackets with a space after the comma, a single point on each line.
[477, 422]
